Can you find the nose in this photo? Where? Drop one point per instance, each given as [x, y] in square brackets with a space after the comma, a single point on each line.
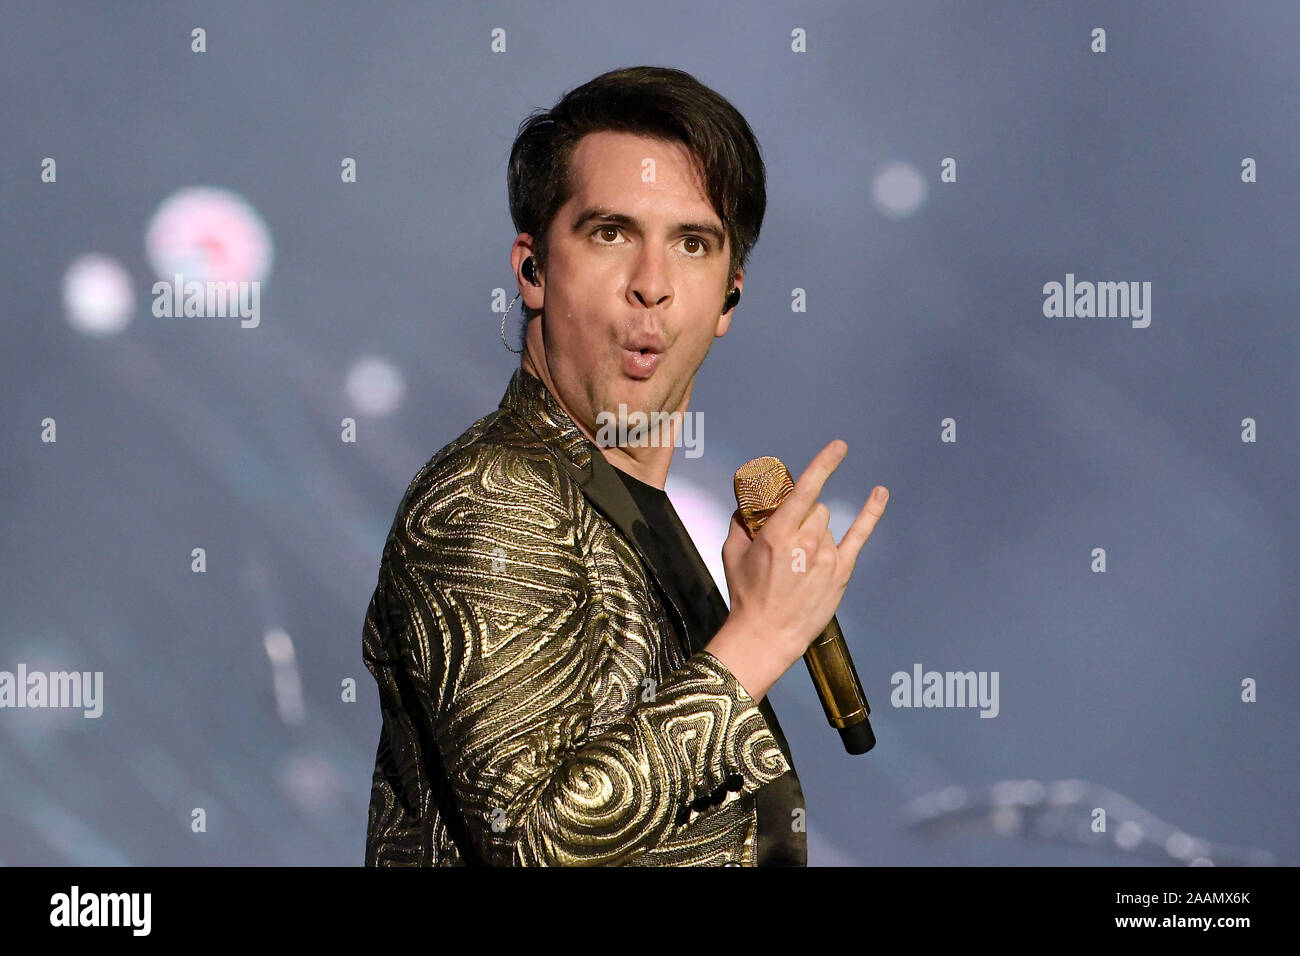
[650, 283]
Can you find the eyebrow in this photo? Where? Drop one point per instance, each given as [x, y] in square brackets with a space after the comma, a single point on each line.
[604, 213]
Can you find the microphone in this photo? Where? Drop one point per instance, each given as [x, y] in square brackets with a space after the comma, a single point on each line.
[761, 485]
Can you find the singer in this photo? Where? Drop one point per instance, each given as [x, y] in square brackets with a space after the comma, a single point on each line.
[561, 683]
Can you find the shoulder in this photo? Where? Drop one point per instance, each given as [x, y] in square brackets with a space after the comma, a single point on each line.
[494, 478]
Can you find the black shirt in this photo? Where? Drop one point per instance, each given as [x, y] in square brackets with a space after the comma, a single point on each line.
[677, 564]
[666, 544]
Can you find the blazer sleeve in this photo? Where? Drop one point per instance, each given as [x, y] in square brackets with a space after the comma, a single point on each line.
[500, 633]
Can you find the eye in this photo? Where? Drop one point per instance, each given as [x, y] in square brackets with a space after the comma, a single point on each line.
[699, 250]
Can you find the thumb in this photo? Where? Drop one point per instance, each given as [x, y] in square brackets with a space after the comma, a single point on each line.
[737, 535]
[733, 549]
[735, 530]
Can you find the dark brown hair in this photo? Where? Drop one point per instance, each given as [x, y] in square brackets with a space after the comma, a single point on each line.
[654, 101]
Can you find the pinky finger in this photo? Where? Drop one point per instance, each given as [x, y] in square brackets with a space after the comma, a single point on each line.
[863, 525]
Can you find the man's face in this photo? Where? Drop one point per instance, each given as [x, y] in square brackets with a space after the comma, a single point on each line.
[637, 257]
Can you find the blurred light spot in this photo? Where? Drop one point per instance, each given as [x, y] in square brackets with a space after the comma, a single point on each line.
[936, 804]
[375, 386]
[898, 189]
[1031, 792]
[1179, 845]
[1005, 792]
[1128, 836]
[284, 676]
[97, 296]
[1006, 820]
[205, 233]
[952, 797]
[279, 647]
[311, 783]
[1067, 792]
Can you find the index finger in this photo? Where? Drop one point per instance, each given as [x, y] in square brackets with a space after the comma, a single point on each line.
[808, 488]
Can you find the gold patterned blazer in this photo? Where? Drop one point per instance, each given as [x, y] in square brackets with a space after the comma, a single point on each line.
[538, 705]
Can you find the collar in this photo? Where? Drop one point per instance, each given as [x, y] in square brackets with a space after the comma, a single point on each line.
[529, 398]
[532, 402]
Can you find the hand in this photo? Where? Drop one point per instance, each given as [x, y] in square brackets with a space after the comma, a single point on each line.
[787, 582]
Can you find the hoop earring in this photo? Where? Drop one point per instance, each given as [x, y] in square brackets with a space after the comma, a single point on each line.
[503, 324]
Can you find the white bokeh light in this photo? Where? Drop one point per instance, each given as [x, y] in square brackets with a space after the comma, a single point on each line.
[97, 296]
[375, 386]
[898, 189]
[1129, 835]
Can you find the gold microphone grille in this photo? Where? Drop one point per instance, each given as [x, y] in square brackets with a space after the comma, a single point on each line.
[761, 485]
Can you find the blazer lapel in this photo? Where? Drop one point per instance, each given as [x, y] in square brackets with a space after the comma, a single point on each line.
[529, 397]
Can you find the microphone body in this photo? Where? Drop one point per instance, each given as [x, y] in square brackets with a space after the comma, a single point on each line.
[761, 485]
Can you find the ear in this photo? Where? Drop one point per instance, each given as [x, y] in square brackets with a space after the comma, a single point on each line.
[533, 295]
[724, 320]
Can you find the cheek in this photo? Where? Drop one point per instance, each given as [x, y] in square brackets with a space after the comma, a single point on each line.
[573, 337]
[702, 339]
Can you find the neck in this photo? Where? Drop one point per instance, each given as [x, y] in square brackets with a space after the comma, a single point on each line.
[647, 463]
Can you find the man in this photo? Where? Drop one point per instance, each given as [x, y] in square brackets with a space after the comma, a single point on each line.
[560, 680]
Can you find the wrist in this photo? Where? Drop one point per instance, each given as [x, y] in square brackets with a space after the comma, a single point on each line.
[737, 650]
